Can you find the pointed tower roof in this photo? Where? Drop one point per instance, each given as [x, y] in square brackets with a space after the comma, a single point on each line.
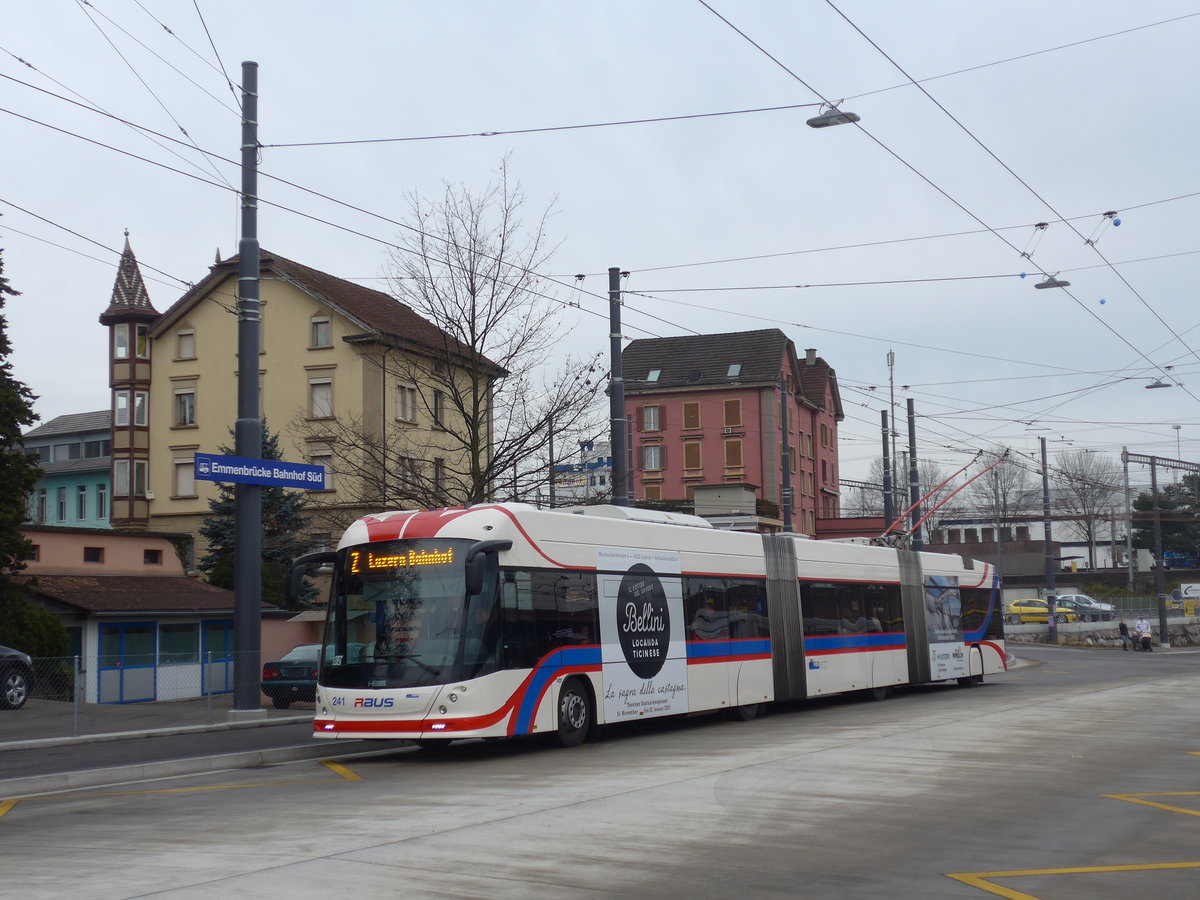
[130, 301]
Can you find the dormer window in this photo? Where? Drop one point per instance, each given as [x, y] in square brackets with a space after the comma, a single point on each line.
[654, 373]
[734, 370]
[321, 333]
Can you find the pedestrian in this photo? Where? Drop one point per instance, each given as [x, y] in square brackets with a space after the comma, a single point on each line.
[1124, 629]
[1142, 633]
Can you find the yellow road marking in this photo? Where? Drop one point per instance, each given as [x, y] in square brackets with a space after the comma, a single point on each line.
[338, 769]
[1136, 798]
[341, 770]
[980, 879]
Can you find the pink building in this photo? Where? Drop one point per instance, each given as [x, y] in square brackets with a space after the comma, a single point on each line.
[706, 410]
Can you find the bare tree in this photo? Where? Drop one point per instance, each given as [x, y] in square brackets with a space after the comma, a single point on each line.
[481, 378]
[1005, 494]
[1088, 493]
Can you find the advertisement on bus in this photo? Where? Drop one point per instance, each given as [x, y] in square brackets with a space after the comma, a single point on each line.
[943, 624]
[643, 645]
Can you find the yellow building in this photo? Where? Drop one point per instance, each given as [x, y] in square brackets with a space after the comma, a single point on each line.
[349, 378]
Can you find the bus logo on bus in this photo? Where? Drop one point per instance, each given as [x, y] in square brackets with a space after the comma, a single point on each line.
[643, 621]
[373, 702]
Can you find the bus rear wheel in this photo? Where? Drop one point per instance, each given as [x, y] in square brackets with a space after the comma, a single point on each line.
[574, 713]
[744, 713]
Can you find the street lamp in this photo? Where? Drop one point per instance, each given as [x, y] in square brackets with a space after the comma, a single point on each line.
[834, 116]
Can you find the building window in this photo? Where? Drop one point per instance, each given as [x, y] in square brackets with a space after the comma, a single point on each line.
[733, 454]
[322, 335]
[143, 341]
[406, 477]
[96, 449]
[141, 408]
[121, 341]
[406, 403]
[93, 554]
[62, 452]
[185, 407]
[733, 413]
[691, 456]
[323, 457]
[439, 406]
[824, 435]
[102, 501]
[184, 484]
[141, 474]
[121, 408]
[691, 415]
[121, 478]
[653, 492]
[81, 502]
[320, 541]
[439, 476]
[651, 418]
[152, 557]
[653, 374]
[178, 644]
[41, 506]
[652, 458]
[320, 398]
[824, 471]
[185, 345]
[34, 553]
[792, 458]
[62, 504]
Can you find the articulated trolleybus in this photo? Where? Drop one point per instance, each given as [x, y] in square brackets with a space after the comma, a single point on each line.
[502, 619]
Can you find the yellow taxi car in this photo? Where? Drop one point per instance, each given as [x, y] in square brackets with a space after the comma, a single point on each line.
[1023, 612]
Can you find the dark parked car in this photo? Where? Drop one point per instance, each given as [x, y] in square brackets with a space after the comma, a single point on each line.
[16, 678]
[294, 676]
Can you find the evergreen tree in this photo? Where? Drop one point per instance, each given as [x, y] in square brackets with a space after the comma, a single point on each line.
[22, 624]
[283, 534]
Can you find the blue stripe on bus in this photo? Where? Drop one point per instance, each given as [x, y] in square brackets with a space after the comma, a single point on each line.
[826, 643]
[545, 672]
[717, 649]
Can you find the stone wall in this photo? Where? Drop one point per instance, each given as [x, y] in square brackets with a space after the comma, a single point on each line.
[1181, 633]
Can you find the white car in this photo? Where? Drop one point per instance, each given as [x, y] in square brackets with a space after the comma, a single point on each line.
[1088, 608]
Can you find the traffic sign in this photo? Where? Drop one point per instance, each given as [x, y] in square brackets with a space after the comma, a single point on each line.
[268, 472]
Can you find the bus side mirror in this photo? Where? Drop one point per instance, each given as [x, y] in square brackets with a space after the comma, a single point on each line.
[475, 560]
[296, 573]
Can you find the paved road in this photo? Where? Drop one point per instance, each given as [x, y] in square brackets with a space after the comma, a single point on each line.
[1048, 782]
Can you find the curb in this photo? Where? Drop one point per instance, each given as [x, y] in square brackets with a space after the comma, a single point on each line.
[37, 743]
[18, 788]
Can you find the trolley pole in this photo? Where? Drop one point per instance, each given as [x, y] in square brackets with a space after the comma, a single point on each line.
[785, 458]
[247, 553]
[914, 478]
[1049, 547]
[889, 506]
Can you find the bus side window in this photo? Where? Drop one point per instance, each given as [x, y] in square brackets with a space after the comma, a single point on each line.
[516, 609]
[746, 599]
[704, 609]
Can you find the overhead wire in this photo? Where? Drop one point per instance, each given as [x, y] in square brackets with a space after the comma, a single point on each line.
[1032, 191]
[84, 5]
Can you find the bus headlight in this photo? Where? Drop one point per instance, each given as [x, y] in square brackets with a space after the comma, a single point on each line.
[454, 698]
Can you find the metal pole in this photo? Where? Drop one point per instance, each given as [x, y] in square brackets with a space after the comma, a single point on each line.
[785, 457]
[1160, 576]
[550, 450]
[75, 697]
[1128, 521]
[891, 364]
[247, 556]
[616, 392]
[914, 478]
[1049, 546]
[889, 505]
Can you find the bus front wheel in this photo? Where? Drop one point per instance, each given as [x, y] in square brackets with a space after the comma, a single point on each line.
[574, 713]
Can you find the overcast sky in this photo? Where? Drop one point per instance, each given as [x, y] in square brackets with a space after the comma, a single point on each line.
[905, 232]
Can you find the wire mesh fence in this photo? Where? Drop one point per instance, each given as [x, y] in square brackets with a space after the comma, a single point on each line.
[76, 696]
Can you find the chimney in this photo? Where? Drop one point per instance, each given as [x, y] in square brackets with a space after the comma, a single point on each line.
[810, 356]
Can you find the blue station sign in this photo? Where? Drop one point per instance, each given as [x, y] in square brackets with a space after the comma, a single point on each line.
[267, 472]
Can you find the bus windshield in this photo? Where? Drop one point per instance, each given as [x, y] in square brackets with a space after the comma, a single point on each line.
[400, 617]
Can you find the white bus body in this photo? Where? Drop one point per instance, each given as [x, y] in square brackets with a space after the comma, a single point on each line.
[606, 614]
